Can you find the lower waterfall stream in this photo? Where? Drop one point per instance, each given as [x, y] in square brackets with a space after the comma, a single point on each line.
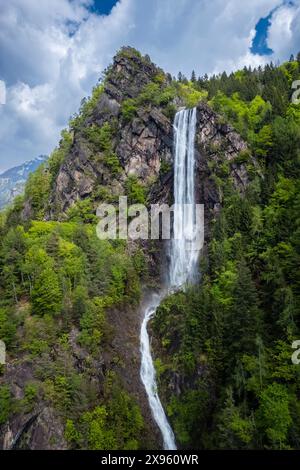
[183, 260]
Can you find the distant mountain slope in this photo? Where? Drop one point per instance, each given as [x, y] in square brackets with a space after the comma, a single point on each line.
[12, 181]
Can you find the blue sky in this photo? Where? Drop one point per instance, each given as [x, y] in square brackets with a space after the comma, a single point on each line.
[52, 52]
[103, 7]
[260, 41]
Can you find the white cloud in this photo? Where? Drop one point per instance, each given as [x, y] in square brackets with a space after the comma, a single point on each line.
[204, 35]
[284, 32]
[48, 71]
[53, 51]
[2, 92]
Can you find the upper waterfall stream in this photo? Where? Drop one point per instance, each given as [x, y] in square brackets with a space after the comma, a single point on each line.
[183, 256]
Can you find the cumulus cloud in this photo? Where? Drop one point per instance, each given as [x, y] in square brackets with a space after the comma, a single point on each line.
[51, 54]
[53, 51]
[284, 32]
[208, 36]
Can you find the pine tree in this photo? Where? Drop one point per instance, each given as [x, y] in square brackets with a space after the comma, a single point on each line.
[242, 323]
[193, 77]
[184, 79]
[46, 293]
[234, 431]
[274, 416]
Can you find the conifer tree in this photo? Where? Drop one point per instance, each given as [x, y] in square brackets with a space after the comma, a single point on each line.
[242, 323]
[193, 77]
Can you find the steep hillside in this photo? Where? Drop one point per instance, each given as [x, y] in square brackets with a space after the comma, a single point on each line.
[224, 347]
[71, 304]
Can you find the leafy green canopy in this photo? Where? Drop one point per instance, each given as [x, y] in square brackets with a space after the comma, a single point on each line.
[225, 370]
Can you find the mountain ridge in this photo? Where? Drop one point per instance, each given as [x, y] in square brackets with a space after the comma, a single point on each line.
[13, 180]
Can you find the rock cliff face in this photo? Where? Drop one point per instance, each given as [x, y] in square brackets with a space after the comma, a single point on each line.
[217, 144]
[144, 145]
[36, 428]
[140, 145]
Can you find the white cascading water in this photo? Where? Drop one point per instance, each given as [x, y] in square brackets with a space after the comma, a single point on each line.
[183, 259]
[148, 377]
[183, 252]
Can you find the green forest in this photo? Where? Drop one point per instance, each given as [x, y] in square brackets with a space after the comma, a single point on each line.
[227, 339]
[238, 326]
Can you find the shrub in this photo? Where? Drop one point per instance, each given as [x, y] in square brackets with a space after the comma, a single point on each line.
[152, 93]
[37, 191]
[113, 163]
[165, 167]
[87, 107]
[129, 52]
[46, 293]
[159, 78]
[170, 111]
[5, 403]
[191, 96]
[8, 326]
[135, 191]
[82, 211]
[59, 154]
[99, 137]
[274, 414]
[92, 325]
[129, 109]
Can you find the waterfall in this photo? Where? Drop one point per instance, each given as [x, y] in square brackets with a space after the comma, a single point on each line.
[183, 254]
[149, 379]
[183, 257]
